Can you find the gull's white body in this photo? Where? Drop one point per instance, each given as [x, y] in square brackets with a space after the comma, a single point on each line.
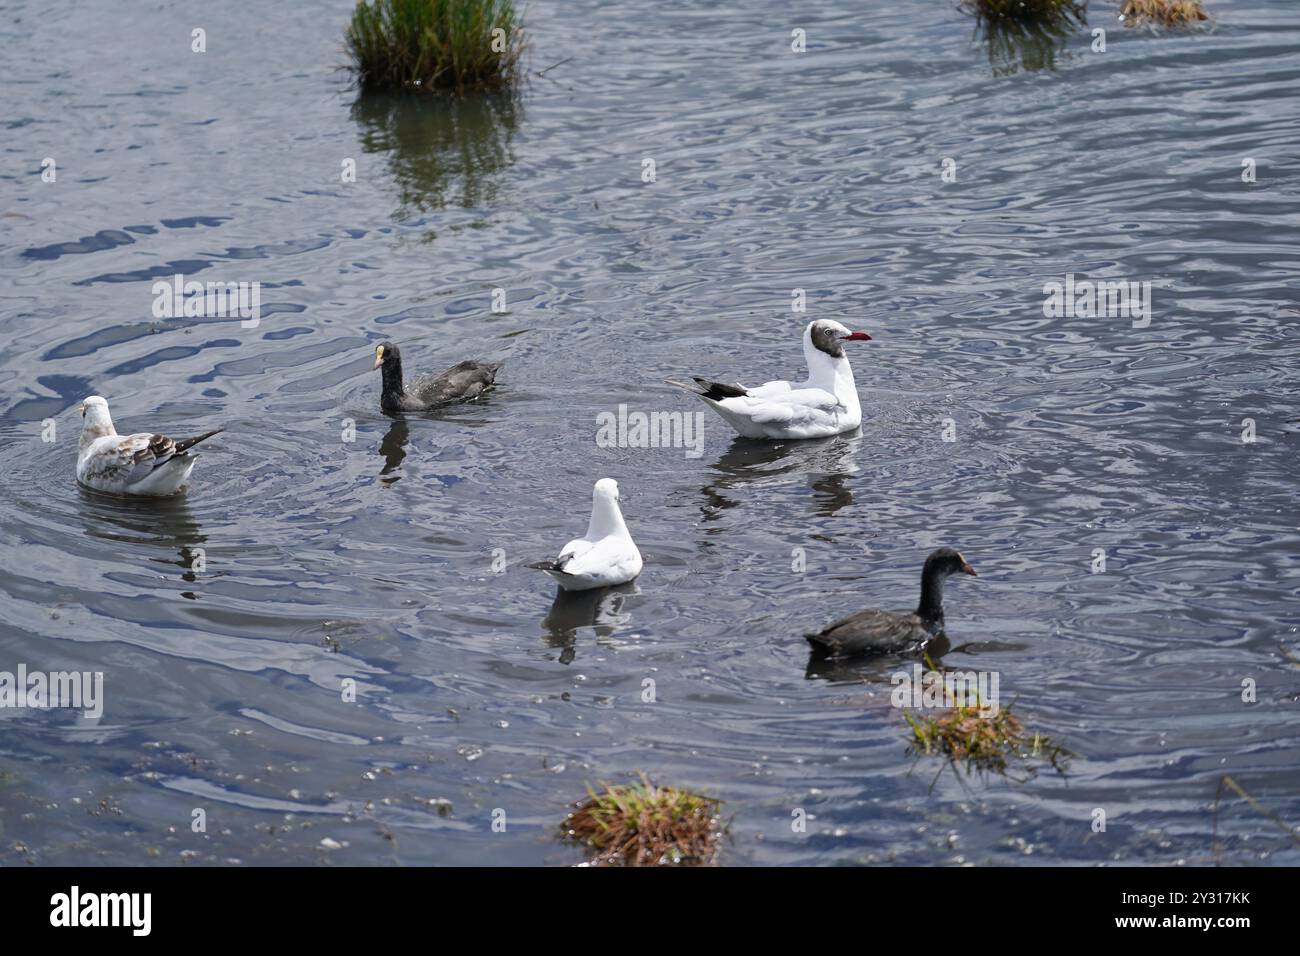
[605, 555]
[825, 404]
[125, 464]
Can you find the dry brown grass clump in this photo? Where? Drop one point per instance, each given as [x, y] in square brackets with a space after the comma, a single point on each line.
[1168, 13]
[966, 736]
[646, 825]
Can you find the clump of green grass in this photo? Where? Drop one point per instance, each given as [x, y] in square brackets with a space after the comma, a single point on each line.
[646, 825]
[452, 45]
[1168, 13]
[968, 737]
[1024, 11]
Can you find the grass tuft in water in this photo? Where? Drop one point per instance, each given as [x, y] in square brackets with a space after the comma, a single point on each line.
[1167, 13]
[1025, 11]
[450, 45]
[646, 825]
[986, 743]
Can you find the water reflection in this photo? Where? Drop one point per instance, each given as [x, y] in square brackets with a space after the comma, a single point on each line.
[1015, 46]
[393, 449]
[872, 670]
[441, 151]
[166, 522]
[826, 462]
[600, 609]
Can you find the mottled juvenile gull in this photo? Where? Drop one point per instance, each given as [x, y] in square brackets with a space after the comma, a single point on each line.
[142, 464]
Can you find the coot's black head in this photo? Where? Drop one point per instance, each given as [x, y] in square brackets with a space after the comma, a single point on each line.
[946, 561]
[387, 356]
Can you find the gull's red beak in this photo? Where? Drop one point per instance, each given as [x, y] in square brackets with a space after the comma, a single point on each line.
[857, 337]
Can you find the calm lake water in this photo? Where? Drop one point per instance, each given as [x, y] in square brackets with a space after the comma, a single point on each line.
[373, 560]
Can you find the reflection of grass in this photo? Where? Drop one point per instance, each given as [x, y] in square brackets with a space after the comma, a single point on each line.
[440, 152]
[1168, 13]
[455, 45]
[1239, 790]
[645, 825]
[1028, 39]
[984, 743]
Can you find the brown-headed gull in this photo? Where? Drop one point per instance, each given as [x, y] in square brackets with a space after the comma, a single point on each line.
[605, 556]
[142, 464]
[826, 404]
[888, 632]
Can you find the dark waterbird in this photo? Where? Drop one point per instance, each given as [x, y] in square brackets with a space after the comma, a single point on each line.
[886, 632]
[460, 383]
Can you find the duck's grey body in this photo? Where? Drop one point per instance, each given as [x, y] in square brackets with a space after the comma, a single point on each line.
[875, 632]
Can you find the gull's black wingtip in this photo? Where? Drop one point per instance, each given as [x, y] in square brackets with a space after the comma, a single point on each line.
[714, 391]
[684, 386]
[550, 566]
[188, 443]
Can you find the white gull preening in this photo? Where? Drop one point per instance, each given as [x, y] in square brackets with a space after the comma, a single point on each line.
[141, 464]
[823, 405]
[605, 555]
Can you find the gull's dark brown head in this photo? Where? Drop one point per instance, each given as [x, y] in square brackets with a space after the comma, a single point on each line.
[828, 336]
